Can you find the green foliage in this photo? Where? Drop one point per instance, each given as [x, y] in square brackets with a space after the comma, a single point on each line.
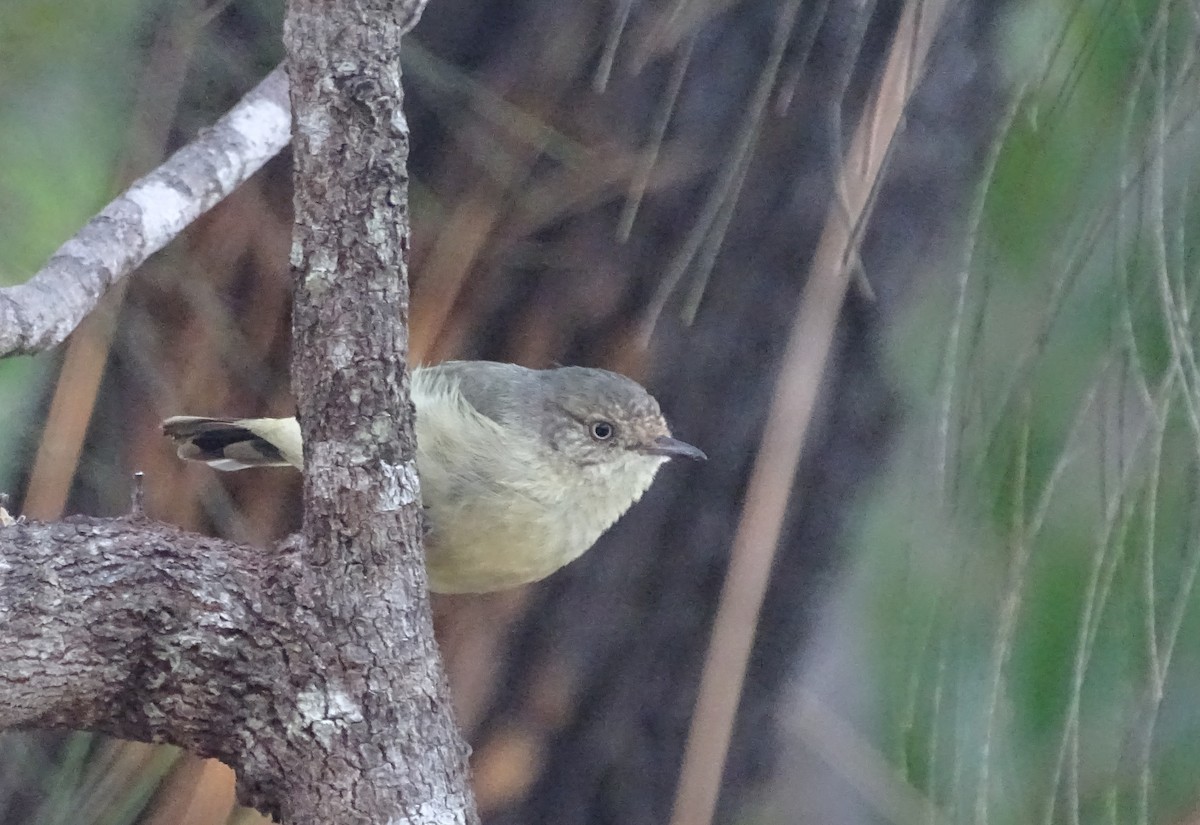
[67, 74]
[70, 74]
[1030, 593]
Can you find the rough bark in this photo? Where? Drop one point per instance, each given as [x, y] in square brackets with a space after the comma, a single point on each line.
[142, 631]
[311, 669]
[145, 632]
[362, 525]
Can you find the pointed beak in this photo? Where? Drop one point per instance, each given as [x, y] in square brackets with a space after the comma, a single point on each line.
[674, 448]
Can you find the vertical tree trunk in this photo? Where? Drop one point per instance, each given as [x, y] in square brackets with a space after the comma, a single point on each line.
[382, 717]
[578, 691]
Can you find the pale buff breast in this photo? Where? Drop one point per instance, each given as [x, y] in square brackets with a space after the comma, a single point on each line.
[483, 534]
[501, 511]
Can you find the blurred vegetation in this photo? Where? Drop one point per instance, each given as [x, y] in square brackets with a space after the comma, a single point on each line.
[65, 95]
[1048, 655]
[1024, 573]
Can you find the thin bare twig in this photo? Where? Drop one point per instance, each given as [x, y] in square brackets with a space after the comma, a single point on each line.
[662, 118]
[42, 312]
[612, 42]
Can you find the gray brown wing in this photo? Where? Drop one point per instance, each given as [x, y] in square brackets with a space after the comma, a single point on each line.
[499, 391]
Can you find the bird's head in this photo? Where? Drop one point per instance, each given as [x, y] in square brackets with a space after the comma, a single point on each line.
[605, 423]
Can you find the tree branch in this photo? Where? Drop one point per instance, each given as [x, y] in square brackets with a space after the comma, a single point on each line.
[43, 311]
[362, 520]
[311, 670]
[142, 631]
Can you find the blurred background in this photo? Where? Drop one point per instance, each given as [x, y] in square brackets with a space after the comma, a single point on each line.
[981, 608]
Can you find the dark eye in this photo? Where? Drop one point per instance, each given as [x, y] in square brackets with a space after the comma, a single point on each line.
[602, 430]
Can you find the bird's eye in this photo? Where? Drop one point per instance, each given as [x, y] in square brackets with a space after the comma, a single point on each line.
[602, 430]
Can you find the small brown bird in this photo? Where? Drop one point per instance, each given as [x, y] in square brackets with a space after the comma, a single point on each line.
[521, 470]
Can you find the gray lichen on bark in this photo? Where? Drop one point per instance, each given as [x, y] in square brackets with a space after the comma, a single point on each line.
[310, 668]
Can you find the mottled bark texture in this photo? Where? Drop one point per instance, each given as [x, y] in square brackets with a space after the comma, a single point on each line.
[311, 668]
[400, 755]
[142, 631]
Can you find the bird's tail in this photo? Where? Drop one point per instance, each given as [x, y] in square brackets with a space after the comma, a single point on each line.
[236, 444]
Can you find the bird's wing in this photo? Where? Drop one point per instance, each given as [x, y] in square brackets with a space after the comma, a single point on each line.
[494, 389]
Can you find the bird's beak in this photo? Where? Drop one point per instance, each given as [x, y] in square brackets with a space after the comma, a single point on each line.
[673, 447]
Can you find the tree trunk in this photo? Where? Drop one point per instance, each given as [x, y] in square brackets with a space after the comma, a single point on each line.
[390, 745]
[311, 669]
[577, 692]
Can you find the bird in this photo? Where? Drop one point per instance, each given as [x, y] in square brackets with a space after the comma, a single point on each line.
[521, 470]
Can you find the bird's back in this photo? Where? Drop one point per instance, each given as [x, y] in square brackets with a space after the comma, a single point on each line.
[491, 510]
